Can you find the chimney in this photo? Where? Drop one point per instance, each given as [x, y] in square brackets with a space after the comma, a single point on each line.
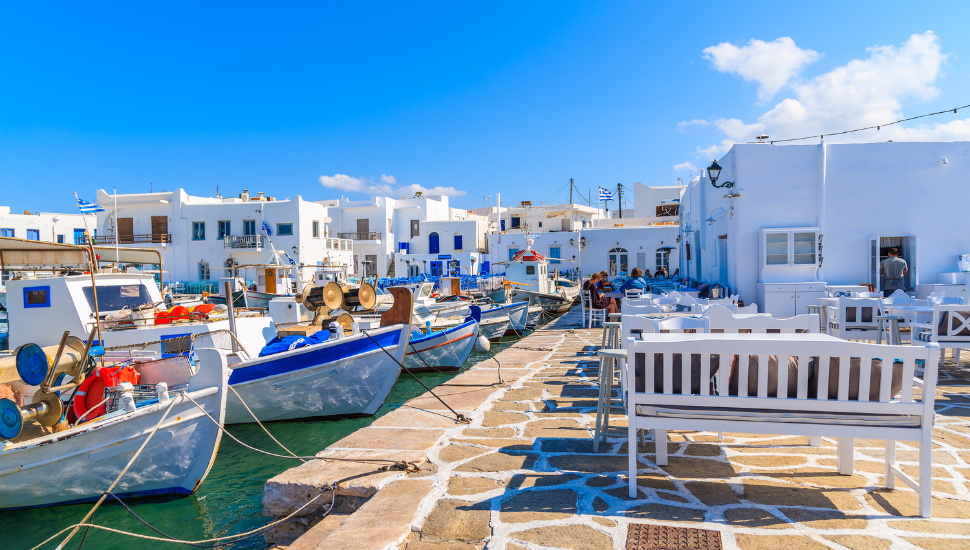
[260, 196]
[245, 195]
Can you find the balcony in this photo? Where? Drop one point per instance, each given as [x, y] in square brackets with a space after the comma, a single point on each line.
[111, 238]
[365, 236]
[245, 242]
[338, 244]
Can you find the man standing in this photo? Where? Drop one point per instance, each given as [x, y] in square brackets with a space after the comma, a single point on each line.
[893, 271]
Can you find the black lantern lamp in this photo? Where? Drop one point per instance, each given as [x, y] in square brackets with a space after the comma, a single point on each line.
[582, 241]
[713, 172]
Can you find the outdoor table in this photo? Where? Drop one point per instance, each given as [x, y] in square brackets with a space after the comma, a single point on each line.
[613, 294]
[894, 322]
[921, 311]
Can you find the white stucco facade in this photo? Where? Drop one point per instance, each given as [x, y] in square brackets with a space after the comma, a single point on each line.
[45, 226]
[910, 195]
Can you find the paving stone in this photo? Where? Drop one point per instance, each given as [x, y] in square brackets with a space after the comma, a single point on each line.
[557, 414]
[384, 520]
[906, 503]
[457, 520]
[781, 494]
[860, 542]
[593, 464]
[507, 444]
[604, 522]
[777, 542]
[623, 493]
[414, 542]
[472, 485]
[754, 518]
[503, 406]
[784, 450]
[600, 505]
[498, 418]
[556, 428]
[390, 438]
[951, 439]
[524, 481]
[672, 497]
[567, 445]
[768, 461]
[698, 468]
[601, 481]
[309, 539]
[457, 453]
[651, 481]
[938, 543]
[573, 537]
[522, 394]
[819, 519]
[711, 438]
[939, 457]
[712, 493]
[664, 512]
[488, 432]
[499, 462]
[815, 476]
[928, 526]
[529, 506]
[648, 448]
[405, 418]
[700, 449]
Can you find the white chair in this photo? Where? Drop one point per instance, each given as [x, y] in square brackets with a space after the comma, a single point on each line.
[749, 309]
[633, 293]
[590, 314]
[854, 318]
[723, 320]
[945, 300]
[950, 328]
[642, 309]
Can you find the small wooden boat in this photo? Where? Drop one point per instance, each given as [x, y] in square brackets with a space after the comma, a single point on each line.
[442, 350]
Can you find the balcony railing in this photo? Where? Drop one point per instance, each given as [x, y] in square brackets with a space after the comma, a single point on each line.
[338, 244]
[252, 242]
[158, 238]
[364, 236]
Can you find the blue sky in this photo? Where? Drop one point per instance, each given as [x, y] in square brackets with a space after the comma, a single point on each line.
[513, 98]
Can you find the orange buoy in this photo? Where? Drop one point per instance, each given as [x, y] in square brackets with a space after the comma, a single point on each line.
[178, 313]
[91, 392]
[161, 318]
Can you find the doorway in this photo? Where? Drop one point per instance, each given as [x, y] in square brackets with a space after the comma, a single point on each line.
[433, 244]
[879, 250]
[271, 281]
[722, 261]
[370, 265]
[436, 269]
[618, 261]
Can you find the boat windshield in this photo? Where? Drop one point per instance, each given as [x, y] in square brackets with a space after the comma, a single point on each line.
[116, 297]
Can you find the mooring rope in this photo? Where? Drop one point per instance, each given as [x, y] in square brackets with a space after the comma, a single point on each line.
[239, 397]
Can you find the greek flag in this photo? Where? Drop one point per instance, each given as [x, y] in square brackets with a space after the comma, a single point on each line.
[267, 229]
[605, 195]
[89, 207]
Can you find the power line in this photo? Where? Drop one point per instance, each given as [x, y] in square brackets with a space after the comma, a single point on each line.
[877, 127]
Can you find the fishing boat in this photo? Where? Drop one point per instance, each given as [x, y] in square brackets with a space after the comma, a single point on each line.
[444, 350]
[339, 376]
[528, 280]
[494, 329]
[80, 463]
[516, 314]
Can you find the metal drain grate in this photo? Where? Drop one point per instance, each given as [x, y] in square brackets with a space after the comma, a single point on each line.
[641, 536]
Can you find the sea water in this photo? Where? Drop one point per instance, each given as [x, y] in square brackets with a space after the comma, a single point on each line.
[230, 499]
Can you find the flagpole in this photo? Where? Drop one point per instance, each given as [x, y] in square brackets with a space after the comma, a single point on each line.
[93, 266]
[114, 224]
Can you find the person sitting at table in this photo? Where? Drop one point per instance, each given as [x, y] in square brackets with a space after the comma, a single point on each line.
[676, 273]
[635, 281]
[604, 282]
[597, 300]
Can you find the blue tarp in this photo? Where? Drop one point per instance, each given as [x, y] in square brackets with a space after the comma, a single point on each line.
[287, 343]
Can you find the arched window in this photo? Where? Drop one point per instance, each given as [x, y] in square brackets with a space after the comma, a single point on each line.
[663, 258]
[457, 241]
[433, 247]
[618, 261]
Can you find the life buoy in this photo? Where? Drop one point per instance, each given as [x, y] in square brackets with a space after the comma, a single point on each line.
[230, 262]
[91, 391]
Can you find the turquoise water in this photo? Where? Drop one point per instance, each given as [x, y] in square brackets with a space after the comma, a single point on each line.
[230, 499]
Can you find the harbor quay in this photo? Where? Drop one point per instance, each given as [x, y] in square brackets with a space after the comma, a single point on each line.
[521, 473]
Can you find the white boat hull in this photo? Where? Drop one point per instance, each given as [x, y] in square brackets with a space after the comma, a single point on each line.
[79, 464]
[340, 377]
[446, 351]
[494, 329]
[551, 303]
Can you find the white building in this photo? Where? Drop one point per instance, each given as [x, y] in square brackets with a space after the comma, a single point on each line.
[45, 226]
[389, 234]
[201, 238]
[798, 218]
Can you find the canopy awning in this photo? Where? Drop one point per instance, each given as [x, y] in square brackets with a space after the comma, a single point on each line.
[27, 254]
[124, 255]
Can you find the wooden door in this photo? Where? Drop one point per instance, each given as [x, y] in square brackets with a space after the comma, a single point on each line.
[271, 281]
[126, 231]
[363, 226]
[159, 229]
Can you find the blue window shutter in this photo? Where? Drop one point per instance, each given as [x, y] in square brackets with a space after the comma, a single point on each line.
[457, 242]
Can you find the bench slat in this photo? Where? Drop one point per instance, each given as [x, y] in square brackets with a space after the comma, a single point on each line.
[705, 373]
[909, 367]
[865, 377]
[762, 376]
[804, 372]
[743, 375]
[668, 370]
[823, 378]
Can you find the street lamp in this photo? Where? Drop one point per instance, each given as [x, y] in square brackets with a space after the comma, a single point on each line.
[713, 172]
[582, 241]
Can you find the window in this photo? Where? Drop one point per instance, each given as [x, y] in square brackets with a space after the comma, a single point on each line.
[515, 222]
[284, 229]
[33, 234]
[618, 261]
[37, 296]
[316, 229]
[530, 270]
[78, 236]
[176, 344]
[204, 274]
[540, 224]
[663, 260]
[555, 252]
[512, 253]
[249, 227]
[60, 239]
[457, 242]
[224, 229]
[415, 228]
[117, 297]
[433, 247]
[198, 231]
[7, 233]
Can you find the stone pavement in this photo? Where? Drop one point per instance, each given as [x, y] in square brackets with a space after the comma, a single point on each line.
[523, 475]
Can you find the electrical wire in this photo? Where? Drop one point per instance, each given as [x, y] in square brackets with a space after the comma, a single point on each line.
[877, 126]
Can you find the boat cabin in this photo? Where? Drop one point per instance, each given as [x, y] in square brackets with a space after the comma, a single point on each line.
[528, 270]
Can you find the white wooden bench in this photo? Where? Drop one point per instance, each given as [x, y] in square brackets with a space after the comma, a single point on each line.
[872, 413]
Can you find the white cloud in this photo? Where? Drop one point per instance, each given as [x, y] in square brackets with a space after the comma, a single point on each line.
[682, 125]
[343, 182]
[685, 166]
[410, 190]
[863, 92]
[770, 64]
